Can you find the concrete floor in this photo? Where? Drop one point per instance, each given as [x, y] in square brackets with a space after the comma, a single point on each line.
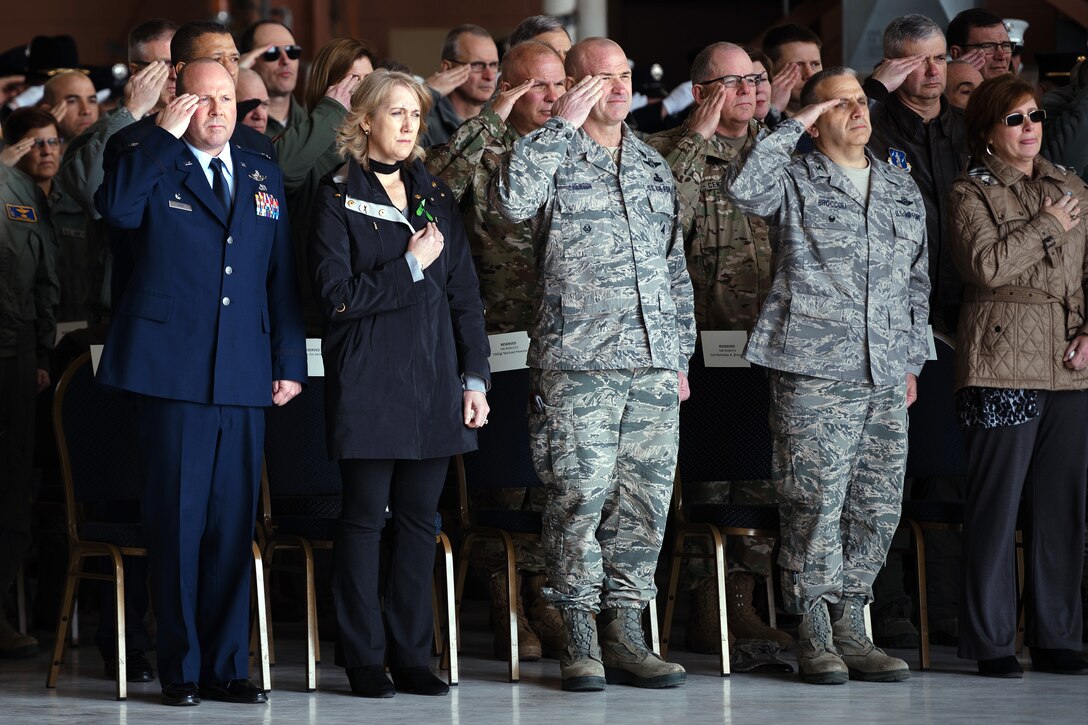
[948, 693]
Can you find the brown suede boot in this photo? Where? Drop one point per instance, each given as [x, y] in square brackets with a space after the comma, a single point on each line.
[863, 658]
[545, 618]
[627, 659]
[744, 620]
[817, 659]
[580, 667]
[528, 643]
[702, 631]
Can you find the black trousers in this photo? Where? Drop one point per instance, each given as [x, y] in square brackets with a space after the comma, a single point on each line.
[410, 489]
[1046, 461]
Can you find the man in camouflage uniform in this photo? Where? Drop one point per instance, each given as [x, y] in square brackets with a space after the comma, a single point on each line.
[729, 260]
[533, 78]
[843, 331]
[612, 333]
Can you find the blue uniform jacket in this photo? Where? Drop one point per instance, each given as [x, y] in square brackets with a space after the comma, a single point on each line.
[210, 313]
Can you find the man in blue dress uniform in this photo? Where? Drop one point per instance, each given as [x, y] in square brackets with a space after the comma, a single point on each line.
[207, 332]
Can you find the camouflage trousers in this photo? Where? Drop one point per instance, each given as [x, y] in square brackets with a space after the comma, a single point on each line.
[840, 452]
[746, 553]
[605, 447]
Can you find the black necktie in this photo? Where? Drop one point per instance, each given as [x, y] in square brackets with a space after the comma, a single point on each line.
[219, 185]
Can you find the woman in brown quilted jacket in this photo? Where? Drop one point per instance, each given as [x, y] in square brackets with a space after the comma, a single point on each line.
[1022, 384]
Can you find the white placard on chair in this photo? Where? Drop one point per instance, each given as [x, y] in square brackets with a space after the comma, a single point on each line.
[508, 351]
[315, 366]
[724, 348]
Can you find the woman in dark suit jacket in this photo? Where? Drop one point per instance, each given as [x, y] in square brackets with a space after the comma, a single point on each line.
[406, 368]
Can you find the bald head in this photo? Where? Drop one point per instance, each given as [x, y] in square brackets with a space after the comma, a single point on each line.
[541, 63]
[212, 123]
[75, 90]
[582, 55]
[252, 88]
[519, 61]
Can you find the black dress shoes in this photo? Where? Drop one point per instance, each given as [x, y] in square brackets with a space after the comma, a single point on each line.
[137, 667]
[419, 681]
[242, 691]
[1007, 667]
[182, 693]
[1058, 661]
[370, 681]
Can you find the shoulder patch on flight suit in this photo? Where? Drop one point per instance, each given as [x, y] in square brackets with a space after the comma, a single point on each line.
[21, 213]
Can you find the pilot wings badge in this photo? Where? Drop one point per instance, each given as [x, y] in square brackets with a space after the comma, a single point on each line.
[257, 176]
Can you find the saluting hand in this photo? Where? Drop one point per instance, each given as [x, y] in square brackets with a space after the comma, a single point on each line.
[426, 244]
[60, 110]
[504, 102]
[975, 57]
[893, 71]
[143, 89]
[342, 91]
[576, 103]
[784, 82]
[175, 117]
[707, 115]
[444, 81]
[808, 115]
[16, 151]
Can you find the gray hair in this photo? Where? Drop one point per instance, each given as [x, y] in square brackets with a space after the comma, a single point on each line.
[700, 67]
[526, 50]
[533, 26]
[808, 92]
[451, 46]
[908, 28]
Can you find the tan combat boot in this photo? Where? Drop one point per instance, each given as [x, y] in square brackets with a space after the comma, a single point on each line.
[627, 659]
[580, 667]
[816, 657]
[545, 618]
[13, 644]
[744, 620]
[702, 633]
[863, 658]
[528, 644]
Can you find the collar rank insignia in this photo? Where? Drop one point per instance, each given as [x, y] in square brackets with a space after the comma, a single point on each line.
[21, 213]
[188, 163]
[268, 206]
[177, 196]
[898, 159]
[257, 176]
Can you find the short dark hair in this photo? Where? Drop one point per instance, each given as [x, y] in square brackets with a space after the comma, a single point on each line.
[905, 29]
[988, 105]
[758, 56]
[150, 30]
[24, 120]
[245, 40]
[783, 34]
[962, 25]
[533, 26]
[451, 44]
[183, 44]
[808, 92]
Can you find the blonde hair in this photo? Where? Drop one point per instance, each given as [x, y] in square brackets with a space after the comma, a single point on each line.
[332, 63]
[370, 96]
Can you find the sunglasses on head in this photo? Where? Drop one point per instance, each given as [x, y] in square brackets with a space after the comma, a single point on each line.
[294, 52]
[1015, 119]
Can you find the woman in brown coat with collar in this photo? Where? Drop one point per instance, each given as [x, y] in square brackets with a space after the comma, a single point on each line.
[1022, 384]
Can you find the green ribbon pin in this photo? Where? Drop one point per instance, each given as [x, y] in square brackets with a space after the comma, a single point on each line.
[420, 211]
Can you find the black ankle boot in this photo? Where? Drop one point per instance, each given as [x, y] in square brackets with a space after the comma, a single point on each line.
[1058, 661]
[1007, 667]
[370, 681]
[419, 681]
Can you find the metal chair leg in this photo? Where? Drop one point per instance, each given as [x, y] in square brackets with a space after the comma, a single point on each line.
[71, 586]
[678, 559]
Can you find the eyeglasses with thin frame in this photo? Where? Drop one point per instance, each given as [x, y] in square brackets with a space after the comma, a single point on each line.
[731, 82]
[294, 52]
[477, 66]
[991, 48]
[1015, 119]
[40, 143]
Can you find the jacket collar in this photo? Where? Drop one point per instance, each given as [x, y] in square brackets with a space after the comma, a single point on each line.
[1008, 175]
[910, 124]
[425, 194]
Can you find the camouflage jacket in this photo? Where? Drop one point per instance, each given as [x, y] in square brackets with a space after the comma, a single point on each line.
[501, 250]
[729, 255]
[850, 294]
[614, 291]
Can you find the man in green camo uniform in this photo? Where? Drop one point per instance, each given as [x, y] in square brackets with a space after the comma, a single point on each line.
[533, 78]
[613, 329]
[843, 331]
[729, 260]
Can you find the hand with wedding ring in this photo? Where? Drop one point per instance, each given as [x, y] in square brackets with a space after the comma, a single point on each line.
[475, 409]
[1076, 355]
[1064, 210]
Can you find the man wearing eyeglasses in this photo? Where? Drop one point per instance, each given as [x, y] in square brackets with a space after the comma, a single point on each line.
[843, 333]
[979, 37]
[468, 52]
[729, 261]
[276, 62]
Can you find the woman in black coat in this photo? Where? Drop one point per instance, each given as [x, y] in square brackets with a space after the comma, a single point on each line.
[405, 356]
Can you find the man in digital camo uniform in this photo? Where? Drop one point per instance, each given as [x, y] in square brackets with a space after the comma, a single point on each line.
[729, 260]
[612, 333]
[843, 332]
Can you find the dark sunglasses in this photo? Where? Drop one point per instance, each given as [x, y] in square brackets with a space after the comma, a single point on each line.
[1015, 119]
[294, 52]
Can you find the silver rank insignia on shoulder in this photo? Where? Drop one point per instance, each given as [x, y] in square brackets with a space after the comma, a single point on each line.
[188, 163]
[257, 176]
[898, 159]
[177, 196]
